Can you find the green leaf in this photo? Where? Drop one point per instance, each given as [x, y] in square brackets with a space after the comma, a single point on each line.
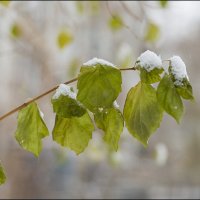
[94, 7]
[142, 113]
[185, 90]
[66, 106]
[98, 86]
[150, 77]
[16, 31]
[5, 3]
[163, 3]
[115, 22]
[169, 98]
[153, 33]
[111, 122]
[73, 132]
[2, 175]
[31, 129]
[79, 6]
[65, 38]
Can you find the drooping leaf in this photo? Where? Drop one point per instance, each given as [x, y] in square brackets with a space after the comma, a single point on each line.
[169, 98]
[142, 113]
[111, 122]
[153, 33]
[150, 77]
[15, 31]
[65, 106]
[64, 38]
[73, 132]
[2, 175]
[163, 3]
[31, 129]
[98, 86]
[115, 22]
[185, 90]
[5, 3]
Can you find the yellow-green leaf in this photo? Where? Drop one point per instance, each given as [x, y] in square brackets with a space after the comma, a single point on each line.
[163, 3]
[64, 38]
[150, 77]
[2, 175]
[98, 86]
[73, 132]
[153, 33]
[31, 129]
[65, 103]
[115, 22]
[142, 113]
[185, 90]
[111, 122]
[15, 31]
[5, 3]
[169, 98]
[80, 6]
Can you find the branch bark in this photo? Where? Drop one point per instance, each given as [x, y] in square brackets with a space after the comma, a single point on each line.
[44, 94]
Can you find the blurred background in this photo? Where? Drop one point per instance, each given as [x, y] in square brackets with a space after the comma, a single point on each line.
[44, 44]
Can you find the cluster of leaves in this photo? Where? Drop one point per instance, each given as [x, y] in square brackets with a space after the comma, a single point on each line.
[98, 88]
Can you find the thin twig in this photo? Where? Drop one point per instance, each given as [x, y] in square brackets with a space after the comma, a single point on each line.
[122, 23]
[32, 100]
[133, 15]
[44, 94]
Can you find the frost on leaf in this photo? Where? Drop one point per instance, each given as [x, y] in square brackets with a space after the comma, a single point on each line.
[150, 66]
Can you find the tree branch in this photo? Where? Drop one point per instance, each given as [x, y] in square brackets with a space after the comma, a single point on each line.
[44, 94]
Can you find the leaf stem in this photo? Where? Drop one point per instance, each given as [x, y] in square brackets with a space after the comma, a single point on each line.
[44, 94]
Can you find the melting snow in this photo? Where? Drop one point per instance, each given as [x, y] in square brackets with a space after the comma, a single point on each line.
[178, 69]
[64, 90]
[96, 61]
[115, 104]
[149, 60]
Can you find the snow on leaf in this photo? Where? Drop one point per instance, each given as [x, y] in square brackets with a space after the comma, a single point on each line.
[178, 70]
[99, 61]
[65, 103]
[149, 61]
[64, 90]
[98, 86]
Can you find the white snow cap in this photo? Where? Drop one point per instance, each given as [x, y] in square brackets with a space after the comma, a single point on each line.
[149, 60]
[96, 61]
[115, 104]
[178, 69]
[64, 90]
